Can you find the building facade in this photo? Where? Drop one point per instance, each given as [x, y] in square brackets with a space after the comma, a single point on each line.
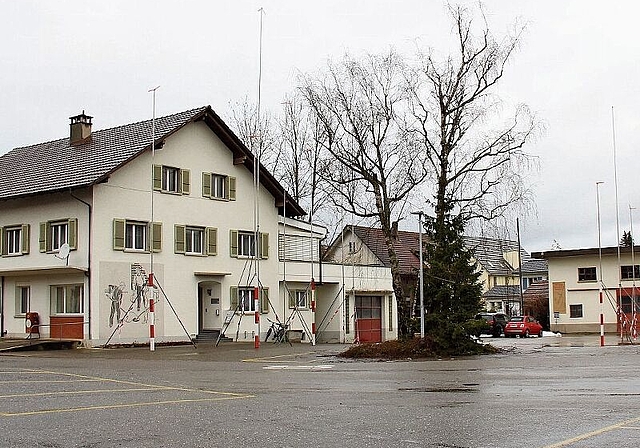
[85, 220]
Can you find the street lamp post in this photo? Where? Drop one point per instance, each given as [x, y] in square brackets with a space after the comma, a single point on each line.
[421, 273]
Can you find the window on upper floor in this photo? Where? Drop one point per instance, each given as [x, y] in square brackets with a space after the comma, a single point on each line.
[137, 236]
[629, 272]
[15, 239]
[218, 186]
[243, 244]
[169, 179]
[242, 299]
[194, 240]
[293, 247]
[587, 274]
[67, 299]
[53, 234]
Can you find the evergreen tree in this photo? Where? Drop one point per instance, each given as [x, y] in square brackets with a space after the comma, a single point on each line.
[452, 285]
[626, 240]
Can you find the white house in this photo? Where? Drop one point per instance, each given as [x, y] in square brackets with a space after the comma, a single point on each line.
[86, 219]
[576, 277]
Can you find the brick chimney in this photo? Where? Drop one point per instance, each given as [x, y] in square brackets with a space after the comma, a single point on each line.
[80, 129]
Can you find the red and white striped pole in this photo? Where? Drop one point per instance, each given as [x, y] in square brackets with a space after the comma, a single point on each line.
[313, 312]
[601, 319]
[152, 317]
[256, 304]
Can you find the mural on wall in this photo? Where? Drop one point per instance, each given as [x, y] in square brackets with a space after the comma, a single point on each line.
[125, 306]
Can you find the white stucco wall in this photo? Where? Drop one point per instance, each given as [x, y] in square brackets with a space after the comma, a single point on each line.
[585, 293]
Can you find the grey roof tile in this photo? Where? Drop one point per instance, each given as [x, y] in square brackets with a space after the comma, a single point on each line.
[58, 165]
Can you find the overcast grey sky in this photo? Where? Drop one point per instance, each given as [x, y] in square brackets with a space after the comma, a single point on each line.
[578, 60]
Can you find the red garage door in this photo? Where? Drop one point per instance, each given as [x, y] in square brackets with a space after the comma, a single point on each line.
[369, 318]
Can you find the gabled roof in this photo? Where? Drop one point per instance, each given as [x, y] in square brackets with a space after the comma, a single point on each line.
[534, 266]
[406, 246]
[59, 166]
[489, 253]
[503, 292]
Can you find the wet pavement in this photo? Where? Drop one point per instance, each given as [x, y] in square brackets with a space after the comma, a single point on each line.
[539, 392]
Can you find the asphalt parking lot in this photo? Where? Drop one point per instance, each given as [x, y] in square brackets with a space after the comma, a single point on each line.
[540, 392]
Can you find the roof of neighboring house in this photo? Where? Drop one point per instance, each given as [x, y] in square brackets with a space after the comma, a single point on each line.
[60, 166]
[536, 291]
[406, 246]
[534, 266]
[503, 292]
[563, 253]
[489, 253]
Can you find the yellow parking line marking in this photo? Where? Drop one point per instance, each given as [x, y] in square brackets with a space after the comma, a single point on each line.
[49, 381]
[275, 358]
[118, 406]
[76, 392]
[591, 434]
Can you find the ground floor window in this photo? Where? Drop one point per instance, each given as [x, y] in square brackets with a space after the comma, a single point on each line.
[23, 296]
[575, 311]
[66, 299]
[299, 299]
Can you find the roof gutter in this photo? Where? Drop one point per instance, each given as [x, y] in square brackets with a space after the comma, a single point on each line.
[88, 272]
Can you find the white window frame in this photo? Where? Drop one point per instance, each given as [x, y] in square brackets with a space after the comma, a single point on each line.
[246, 244]
[300, 299]
[246, 295]
[131, 236]
[194, 246]
[59, 234]
[23, 298]
[13, 240]
[218, 186]
[170, 179]
[66, 299]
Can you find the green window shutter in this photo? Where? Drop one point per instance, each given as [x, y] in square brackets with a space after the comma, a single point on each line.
[264, 300]
[118, 234]
[206, 185]
[292, 299]
[157, 177]
[264, 245]
[185, 178]
[233, 243]
[231, 188]
[25, 239]
[156, 236]
[212, 240]
[179, 240]
[3, 243]
[234, 297]
[72, 230]
[43, 238]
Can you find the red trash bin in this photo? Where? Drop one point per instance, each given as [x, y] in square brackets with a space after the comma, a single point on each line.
[32, 323]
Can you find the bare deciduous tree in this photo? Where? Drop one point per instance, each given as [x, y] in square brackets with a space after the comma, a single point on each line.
[371, 168]
[477, 161]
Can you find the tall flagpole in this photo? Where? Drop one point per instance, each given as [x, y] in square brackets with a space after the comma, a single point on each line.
[152, 327]
[600, 293]
[634, 317]
[256, 180]
[615, 180]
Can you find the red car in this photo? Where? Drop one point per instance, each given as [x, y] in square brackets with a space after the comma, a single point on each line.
[523, 326]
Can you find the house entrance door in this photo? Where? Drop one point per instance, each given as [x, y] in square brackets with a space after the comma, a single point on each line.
[210, 305]
[369, 318]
